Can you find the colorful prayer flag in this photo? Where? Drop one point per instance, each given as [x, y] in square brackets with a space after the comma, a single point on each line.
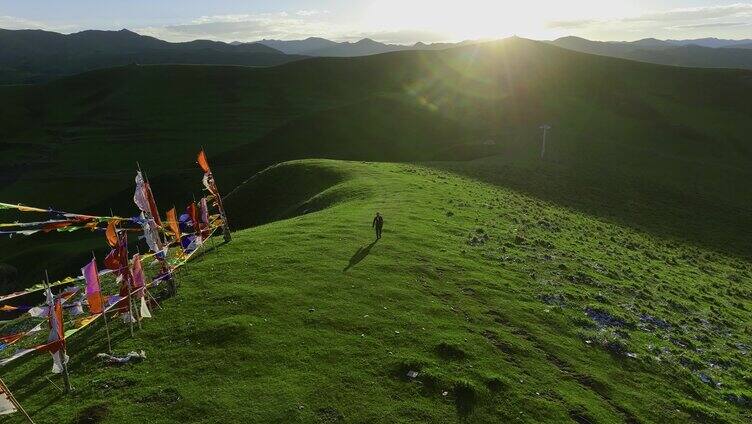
[152, 204]
[138, 277]
[172, 221]
[139, 196]
[93, 289]
[111, 233]
[192, 211]
[202, 162]
[56, 340]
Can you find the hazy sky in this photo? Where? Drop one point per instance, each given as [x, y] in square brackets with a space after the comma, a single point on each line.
[400, 21]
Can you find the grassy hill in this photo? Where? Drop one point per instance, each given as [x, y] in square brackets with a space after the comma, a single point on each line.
[510, 309]
[673, 136]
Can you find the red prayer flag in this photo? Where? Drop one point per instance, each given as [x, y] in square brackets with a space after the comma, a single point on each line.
[193, 213]
[152, 204]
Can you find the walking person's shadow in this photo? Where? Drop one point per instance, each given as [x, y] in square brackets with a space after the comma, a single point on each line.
[359, 255]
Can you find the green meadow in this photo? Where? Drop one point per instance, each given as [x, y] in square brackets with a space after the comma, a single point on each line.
[609, 281]
[508, 308]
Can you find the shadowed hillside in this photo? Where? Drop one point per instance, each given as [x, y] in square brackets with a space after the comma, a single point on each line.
[33, 56]
[670, 133]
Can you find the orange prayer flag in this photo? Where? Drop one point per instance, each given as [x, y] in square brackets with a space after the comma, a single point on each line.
[111, 234]
[172, 221]
[202, 162]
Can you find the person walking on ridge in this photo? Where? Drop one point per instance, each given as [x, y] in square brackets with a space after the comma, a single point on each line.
[378, 224]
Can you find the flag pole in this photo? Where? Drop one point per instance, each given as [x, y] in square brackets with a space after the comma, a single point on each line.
[104, 311]
[66, 377]
[128, 285]
[14, 401]
[130, 304]
[220, 204]
[138, 321]
[146, 178]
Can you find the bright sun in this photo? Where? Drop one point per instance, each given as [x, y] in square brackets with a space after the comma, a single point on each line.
[474, 19]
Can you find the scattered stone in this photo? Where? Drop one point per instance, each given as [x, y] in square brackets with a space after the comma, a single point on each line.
[706, 379]
[582, 278]
[412, 374]
[655, 322]
[604, 319]
[555, 299]
[131, 357]
[739, 400]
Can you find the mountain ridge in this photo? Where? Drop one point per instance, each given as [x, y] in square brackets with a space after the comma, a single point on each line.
[674, 53]
[31, 56]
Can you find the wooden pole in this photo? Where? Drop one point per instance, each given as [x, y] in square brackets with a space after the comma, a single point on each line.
[66, 377]
[14, 401]
[106, 328]
[222, 214]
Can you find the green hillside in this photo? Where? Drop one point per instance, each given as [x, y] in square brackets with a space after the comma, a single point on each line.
[673, 136]
[510, 309]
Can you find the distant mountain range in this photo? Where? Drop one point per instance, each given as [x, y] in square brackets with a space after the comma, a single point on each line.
[322, 47]
[704, 53]
[28, 56]
[32, 56]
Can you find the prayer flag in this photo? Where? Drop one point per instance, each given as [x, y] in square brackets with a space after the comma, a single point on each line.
[111, 233]
[152, 204]
[204, 211]
[193, 213]
[172, 221]
[93, 290]
[56, 340]
[139, 196]
[138, 275]
[6, 404]
[202, 162]
[151, 234]
[145, 313]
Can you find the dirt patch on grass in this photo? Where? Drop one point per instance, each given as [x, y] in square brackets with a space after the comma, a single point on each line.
[92, 414]
[329, 415]
[450, 351]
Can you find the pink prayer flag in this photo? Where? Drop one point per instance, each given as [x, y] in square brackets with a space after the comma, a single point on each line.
[92, 277]
[93, 291]
[138, 272]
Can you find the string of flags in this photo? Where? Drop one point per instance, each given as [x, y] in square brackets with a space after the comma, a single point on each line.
[122, 287]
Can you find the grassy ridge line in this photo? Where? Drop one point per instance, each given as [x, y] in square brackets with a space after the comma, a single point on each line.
[651, 124]
[509, 308]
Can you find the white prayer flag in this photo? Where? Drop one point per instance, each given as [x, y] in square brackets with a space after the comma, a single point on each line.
[145, 313]
[6, 405]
